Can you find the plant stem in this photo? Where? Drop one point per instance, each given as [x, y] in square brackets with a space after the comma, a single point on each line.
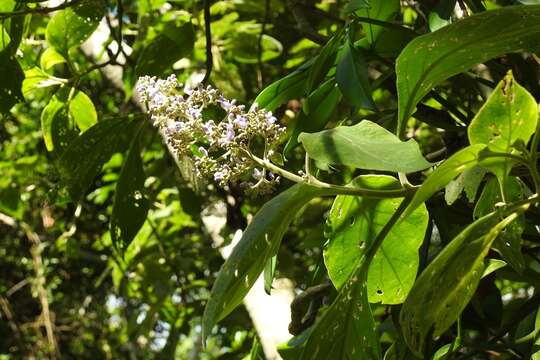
[333, 189]
[533, 160]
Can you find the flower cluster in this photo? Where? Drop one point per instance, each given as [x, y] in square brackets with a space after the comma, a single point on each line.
[221, 149]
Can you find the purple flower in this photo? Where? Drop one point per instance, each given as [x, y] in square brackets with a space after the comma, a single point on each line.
[224, 103]
[208, 128]
[241, 122]
[270, 119]
[229, 134]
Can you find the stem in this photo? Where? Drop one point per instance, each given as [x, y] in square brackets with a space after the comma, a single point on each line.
[334, 189]
[533, 165]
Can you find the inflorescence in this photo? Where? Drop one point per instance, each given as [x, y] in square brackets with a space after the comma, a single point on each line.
[220, 149]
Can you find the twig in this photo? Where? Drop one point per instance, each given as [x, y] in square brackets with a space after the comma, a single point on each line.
[41, 10]
[303, 24]
[208, 37]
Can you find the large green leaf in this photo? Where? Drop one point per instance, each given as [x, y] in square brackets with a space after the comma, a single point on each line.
[509, 114]
[130, 205]
[347, 329]
[352, 76]
[317, 110]
[456, 164]
[173, 43]
[72, 26]
[12, 77]
[445, 287]
[434, 57]
[352, 225]
[365, 146]
[81, 162]
[258, 244]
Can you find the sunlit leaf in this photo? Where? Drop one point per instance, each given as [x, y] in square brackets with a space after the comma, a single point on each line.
[258, 244]
[81, 162]
[447, 284]
[130, 203]
[434, 57]
[365, 146]
[352, 225]
[70, 27]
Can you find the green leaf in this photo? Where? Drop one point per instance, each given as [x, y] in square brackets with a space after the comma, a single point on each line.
[82, 110]
[352, 225]
[492, 265]
[365, 146]
[81, 162]
[324, 101]
[55, 125]
[290, 87]
[130, 205]
[509, 114]
[354, 5]
[258, 244]
[246, 38]
[352, 77]
[72, 26]
[383, 10]
[453, 166]
[535, 350]
[269, 272]
[468, 181]
[172, 44]
[323, 62]
[4, 38]
[448, 283]
[508, 243]
[12, 78]
[49, 58]
[347, 329]
[35, 78]
[429, 59]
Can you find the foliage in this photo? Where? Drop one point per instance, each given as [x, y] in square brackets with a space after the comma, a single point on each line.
[397, 142]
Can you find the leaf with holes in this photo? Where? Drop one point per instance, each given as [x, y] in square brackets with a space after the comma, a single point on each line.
[447, 284]
[12, 77]
[354, 222]
[81, 162]
[72, 26]
[130, 204]
[346, 330]
[259, 243]
[432, 58]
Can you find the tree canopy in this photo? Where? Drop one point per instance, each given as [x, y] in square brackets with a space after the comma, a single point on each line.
[179, 176]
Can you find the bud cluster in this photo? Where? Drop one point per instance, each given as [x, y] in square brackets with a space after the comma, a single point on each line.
[221, 149]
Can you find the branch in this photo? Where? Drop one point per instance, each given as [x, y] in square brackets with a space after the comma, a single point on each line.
[208, 37]
[40, 10]
[303, 24]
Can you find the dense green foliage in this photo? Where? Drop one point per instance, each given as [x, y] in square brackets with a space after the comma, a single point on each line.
[408, 190]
